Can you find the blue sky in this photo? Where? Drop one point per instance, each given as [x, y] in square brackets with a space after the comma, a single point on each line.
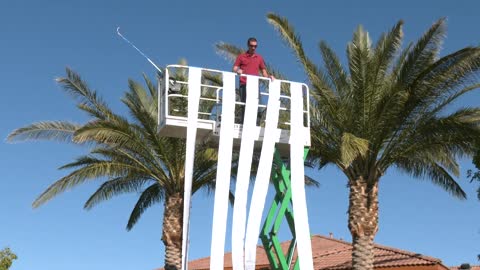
[38, 39]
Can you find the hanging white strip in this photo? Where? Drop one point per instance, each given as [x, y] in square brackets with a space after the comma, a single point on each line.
[263, 175]
[222, 185]
[194, 79]
[302, 231]
[243, 173]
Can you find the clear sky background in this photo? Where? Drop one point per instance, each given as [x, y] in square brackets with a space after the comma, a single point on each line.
[38, 39]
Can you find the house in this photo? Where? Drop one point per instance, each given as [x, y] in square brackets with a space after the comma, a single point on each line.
[465, 266]
[335, 254]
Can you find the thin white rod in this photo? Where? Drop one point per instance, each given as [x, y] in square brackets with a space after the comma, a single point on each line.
[138, 50]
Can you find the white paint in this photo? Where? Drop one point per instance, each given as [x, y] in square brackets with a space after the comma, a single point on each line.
[263, 175]
[304, 245]
[194, 79]
[222, 185]
[243, 175]
[244, 245]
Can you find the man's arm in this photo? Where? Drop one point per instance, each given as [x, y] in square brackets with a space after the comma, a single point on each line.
[236, 66]
[265, 74]
[237, 70]
[263, 68]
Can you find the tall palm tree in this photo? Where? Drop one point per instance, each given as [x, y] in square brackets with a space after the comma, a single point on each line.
[388, 109]
[129, 153]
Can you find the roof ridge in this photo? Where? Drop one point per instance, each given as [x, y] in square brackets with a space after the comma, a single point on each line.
[330, 252]
[379, 246]
[409, 253]
[332, 239]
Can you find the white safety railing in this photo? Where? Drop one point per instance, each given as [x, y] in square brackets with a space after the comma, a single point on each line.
[173, 95]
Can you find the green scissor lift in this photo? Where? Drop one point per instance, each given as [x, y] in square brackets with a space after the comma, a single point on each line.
[281, 209]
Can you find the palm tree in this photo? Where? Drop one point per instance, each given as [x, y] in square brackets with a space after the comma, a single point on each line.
[129, 154]
[389, 109]
[6, 258]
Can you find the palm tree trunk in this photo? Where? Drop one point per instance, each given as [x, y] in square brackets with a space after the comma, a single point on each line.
[172, 231]
[363, 221]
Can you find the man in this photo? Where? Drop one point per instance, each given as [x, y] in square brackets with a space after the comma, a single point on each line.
[249, 63]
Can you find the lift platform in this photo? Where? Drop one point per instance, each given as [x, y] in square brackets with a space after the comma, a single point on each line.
[174, 89]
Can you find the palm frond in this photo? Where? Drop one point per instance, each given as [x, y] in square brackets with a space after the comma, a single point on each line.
[92, 171]
[445, 77]
[74, 85]
[310, 182]
[114, 187]
[141, 98]
[442, 104]
[104, 132]
[435, 173]
[387, 47]
[453, 134]
[352, 147]
[337, 74]
[423, 53]
[150, 196]
[316, 77]
[228, 51]
[150, 86]
[45, 130]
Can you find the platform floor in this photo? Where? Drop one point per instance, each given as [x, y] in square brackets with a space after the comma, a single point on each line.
[208, 131]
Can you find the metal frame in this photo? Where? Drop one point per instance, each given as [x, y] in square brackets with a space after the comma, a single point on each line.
[280, 210]
[174, 125]
[209, 128]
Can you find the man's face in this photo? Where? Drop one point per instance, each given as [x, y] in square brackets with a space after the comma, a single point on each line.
[252, 45]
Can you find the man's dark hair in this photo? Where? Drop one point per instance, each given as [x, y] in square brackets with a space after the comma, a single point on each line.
[250, 40]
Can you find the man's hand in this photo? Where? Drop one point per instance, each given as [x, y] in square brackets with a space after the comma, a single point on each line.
[239, 71]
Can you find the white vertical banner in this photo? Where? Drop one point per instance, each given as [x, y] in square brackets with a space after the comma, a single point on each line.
[243, 173]
[194, 80]
[297, 139]
[222, 184]
[263, 175]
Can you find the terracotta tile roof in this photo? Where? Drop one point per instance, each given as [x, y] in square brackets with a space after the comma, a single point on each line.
[341, 257]
[334, 254]
[204, 263]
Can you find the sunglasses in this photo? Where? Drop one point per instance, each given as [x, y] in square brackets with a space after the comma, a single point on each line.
[252, 46]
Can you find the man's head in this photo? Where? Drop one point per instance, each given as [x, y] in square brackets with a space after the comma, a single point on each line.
[252, 45]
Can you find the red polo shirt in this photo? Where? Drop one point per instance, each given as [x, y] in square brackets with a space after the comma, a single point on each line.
[251, 64]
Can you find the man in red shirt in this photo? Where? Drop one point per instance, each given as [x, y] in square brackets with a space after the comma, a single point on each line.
[249, 63]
